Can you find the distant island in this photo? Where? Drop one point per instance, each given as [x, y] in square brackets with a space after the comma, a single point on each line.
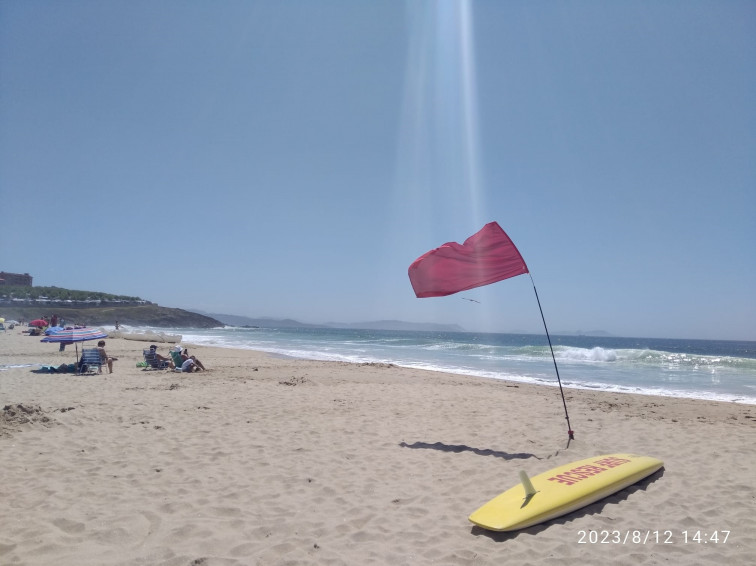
[398, 325]
[266, 322]
[594, 333]
[392, 325]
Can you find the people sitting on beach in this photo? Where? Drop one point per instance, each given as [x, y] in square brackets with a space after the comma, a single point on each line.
[159, 358]
[104, 356]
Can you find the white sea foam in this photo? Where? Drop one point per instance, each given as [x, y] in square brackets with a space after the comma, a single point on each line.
[586, 355]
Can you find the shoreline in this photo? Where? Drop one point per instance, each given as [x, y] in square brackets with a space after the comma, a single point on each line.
[539, 382]
[567, 382]
[273, 460]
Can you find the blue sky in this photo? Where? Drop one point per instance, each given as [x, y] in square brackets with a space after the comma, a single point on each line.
[292, 158]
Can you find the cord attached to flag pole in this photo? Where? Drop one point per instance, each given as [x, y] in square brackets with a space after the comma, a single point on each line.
[570, 432]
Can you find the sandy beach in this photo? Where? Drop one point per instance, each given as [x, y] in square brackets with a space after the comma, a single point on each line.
[267, 461]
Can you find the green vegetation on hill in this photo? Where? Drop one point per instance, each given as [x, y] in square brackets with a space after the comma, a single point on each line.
[60, 294]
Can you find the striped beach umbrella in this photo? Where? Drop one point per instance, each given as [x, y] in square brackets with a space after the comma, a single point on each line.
[75, 335]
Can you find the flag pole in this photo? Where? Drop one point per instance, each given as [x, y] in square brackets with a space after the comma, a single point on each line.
[570, 432]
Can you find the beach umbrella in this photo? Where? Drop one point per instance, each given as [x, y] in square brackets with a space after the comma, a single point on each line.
[53, 330]
[75, 335]
[39, 322]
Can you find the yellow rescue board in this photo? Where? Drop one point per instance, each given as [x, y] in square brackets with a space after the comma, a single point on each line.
[563, 490]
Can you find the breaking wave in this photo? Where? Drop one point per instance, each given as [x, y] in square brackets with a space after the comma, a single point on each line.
[596, 354]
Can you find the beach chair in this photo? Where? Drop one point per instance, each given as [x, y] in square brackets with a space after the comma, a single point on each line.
[91, 361]
[153, 362]
[178, 361]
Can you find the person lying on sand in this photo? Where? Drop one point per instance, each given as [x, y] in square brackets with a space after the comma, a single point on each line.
[192, 364]
[185, 356]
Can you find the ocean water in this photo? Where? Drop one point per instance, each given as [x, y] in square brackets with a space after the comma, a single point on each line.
[702, 369]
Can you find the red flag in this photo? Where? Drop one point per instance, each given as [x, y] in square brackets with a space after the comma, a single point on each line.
[484, 258]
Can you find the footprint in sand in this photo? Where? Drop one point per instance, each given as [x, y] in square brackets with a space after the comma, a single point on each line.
[69, 527]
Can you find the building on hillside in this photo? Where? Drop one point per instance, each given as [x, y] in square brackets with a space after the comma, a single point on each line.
[24, 280]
